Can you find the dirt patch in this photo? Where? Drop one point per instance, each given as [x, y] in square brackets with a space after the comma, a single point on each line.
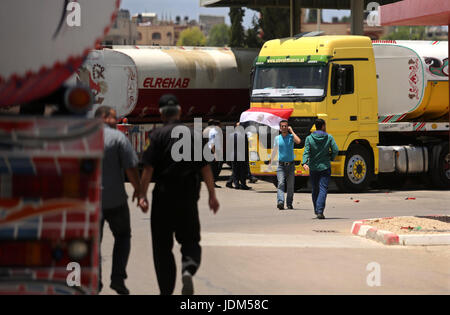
[413, 225]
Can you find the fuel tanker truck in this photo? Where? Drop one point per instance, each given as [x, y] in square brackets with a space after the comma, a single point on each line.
[208, 82]
[386, 103]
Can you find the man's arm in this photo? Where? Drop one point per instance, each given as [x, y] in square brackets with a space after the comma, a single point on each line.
[133, 177]
[297, 139]
[209, 181]
[334, 149]
[146, 178]
[274, 152]
[305, 160]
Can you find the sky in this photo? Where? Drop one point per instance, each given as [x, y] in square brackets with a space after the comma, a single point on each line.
[191, 8]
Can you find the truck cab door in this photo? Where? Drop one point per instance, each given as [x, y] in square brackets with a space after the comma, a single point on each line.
[342, 104]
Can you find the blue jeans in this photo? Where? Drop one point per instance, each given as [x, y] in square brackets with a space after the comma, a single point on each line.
[319, 183]
[285, 176]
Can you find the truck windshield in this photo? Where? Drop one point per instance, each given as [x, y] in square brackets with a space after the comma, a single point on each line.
[289, 81]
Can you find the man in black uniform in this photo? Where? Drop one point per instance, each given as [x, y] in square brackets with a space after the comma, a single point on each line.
[175, 197]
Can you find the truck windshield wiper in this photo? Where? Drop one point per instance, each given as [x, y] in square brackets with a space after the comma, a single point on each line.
[262, 93]
[293, 94]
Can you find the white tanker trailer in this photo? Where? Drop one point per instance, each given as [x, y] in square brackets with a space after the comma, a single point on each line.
[209, 82]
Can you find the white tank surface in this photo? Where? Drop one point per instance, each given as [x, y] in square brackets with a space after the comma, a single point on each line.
[412, 80]
[209, 82]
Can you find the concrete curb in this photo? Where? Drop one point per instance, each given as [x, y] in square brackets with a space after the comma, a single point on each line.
[360, 228]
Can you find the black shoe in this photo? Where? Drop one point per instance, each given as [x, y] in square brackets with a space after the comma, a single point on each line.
[290, 207]
[253, 180]
[120, 288]
[320, 216]
[280, 206]
[188, 285]
[217, 186]
[244, 187]
[229, 185]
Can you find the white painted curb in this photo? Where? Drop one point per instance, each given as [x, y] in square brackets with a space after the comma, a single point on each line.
[388, 238]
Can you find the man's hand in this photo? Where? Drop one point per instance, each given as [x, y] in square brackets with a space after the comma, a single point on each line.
[306, 167]
[213, 204]
[136, 196]
[290, 130]
[143, 204]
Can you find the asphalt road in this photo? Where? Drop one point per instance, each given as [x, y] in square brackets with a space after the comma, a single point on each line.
[251, 247]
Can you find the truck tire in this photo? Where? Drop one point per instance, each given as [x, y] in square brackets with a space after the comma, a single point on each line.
[358, 170]
[440, 167]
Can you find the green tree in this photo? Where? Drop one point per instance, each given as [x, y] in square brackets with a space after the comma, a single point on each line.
[236, 31]
[252, 36]
[274, 23]
[409, 33]
[192, 37]
[219, 35]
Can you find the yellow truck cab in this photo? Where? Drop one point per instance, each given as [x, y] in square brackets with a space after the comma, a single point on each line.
[333, 78]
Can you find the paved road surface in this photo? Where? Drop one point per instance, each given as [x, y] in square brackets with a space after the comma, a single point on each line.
[250, 247]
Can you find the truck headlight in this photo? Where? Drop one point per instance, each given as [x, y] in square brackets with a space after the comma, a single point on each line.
[254, 156]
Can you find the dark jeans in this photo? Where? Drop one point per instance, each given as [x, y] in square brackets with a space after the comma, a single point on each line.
[119, 223]
[319, 183]
[179, 217]
[285, 177]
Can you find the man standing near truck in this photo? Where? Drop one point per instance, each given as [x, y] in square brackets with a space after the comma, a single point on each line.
[320, 150]
[284, 145]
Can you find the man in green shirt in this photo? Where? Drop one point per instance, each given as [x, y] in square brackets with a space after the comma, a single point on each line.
[320, 150]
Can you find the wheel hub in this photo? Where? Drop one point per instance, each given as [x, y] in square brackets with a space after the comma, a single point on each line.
[357, 169]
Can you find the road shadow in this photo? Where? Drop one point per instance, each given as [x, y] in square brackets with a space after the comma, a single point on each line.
[445, 218]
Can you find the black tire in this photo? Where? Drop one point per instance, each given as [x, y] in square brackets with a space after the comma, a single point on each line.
[358, 170]
[440, 166]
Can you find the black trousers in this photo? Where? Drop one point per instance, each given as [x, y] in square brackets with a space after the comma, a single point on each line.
[119, 223]
[240, 171]
[174, 215]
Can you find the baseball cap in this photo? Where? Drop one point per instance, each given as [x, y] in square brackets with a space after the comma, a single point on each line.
[168, 100]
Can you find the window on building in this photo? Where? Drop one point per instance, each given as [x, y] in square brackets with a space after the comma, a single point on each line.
[156, 36]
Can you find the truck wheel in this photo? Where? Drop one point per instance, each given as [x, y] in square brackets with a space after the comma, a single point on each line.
[358, 170]
[440, 172]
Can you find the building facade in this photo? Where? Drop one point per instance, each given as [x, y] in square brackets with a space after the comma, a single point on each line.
[123, 31]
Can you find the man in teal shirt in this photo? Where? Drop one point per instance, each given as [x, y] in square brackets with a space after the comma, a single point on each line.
[320, 150]
[284, 144]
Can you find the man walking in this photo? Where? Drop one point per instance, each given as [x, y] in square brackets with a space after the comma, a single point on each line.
[119, 157]
[320, 150]
[175, 197]
[215, 145]
[239, 156]
[284, 144]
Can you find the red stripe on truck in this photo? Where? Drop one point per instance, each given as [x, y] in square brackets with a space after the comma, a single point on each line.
[195, 102]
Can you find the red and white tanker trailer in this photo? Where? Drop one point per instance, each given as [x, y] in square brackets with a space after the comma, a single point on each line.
[208, 82]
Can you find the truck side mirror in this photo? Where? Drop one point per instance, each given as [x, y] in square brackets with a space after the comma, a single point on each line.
[340, 80]
[339, 77]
